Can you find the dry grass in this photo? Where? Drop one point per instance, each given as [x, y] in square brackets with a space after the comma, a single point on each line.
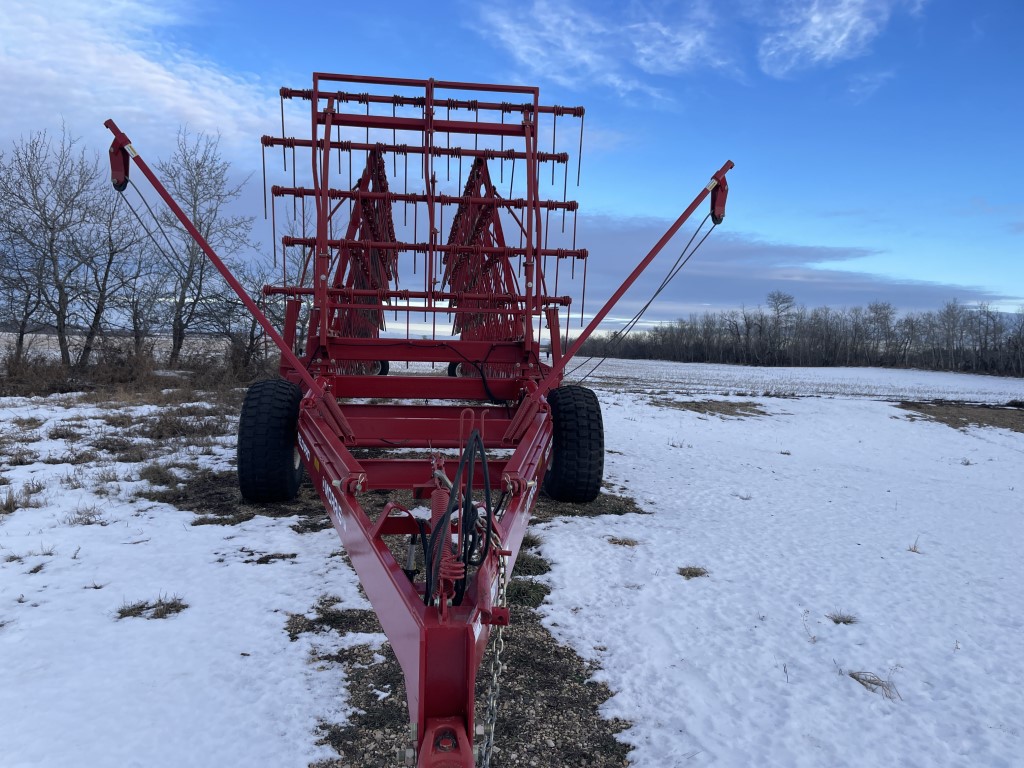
[875, 684]
[963, 415]
[85, 514]
[530, 541]
[159, 474]
[622, 542]
[28, 422]
[811, 637]
[914, 548]
[530, 565]
[692, 572]
[722, 408]
[63, 431]
[108, 442]
[32, 487]
[118, 419]
[841, 617]
[168, 425]
[11, 501]
[73, 480]
[72, 457]
[107, 475]
[20, 456]
[162, 608]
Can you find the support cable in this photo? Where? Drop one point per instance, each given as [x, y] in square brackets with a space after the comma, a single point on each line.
[155, 221]
[680, 262]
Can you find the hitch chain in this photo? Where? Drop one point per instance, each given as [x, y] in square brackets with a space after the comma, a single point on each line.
[497, 667]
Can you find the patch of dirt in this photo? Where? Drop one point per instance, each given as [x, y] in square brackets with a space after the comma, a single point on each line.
[547, 707]
[265, 559]
[327, 617]
[962, 415]
[724, 408]
[216, 500]
[606, 504]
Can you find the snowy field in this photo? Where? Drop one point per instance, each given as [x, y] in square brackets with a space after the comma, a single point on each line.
[835, 501]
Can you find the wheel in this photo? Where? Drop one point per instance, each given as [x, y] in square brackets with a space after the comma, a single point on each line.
[382, 368]
[576, 468]
[462, 368]
[269, 466]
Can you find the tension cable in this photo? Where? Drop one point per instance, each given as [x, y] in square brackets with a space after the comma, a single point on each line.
[680, 262]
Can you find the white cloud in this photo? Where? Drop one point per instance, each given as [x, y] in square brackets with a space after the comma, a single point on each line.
[84, 62]
[664, 50]
[809, 33]
[574, 47]
[863, 86]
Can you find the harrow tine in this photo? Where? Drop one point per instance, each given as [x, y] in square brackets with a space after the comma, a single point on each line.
[273, 229]
[284, 151]
[579, 153]
[554, 132]
[565, 190]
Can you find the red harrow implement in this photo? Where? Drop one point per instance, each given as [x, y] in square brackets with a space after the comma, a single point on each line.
[477, 441]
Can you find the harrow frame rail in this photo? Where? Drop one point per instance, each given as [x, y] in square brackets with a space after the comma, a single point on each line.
[439, 646]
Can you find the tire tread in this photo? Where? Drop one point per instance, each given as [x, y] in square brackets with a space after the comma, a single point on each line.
[267, 431]
[576, 470]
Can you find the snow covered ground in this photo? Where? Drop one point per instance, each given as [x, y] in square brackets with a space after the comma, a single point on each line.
[809, 506]
[805, 511]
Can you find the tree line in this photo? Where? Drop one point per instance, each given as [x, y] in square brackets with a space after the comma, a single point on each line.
[79, 264]
[102, 277]
[954, 338]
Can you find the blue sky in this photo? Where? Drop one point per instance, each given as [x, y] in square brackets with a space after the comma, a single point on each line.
[877, 143]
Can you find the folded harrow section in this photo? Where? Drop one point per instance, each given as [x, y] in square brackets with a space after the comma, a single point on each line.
[439, 239]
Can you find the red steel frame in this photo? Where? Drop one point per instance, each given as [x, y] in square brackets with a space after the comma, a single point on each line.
[353, 280]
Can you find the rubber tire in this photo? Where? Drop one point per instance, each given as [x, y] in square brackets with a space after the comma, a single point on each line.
[453, 369]
[269, 467]
[576, 469]
[384, 368]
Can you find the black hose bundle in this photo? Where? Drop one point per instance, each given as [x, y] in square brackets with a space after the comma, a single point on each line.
[469, 517]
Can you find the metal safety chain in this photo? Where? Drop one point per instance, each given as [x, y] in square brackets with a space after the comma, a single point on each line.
[497, 667]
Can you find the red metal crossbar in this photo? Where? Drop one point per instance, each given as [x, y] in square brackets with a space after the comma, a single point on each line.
[351, 446]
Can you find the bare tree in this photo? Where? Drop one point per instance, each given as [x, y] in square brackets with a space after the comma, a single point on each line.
[778, 327]
[110, 270]
[140, 302]
[199, 180]
[20, 294]
[45, 190]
